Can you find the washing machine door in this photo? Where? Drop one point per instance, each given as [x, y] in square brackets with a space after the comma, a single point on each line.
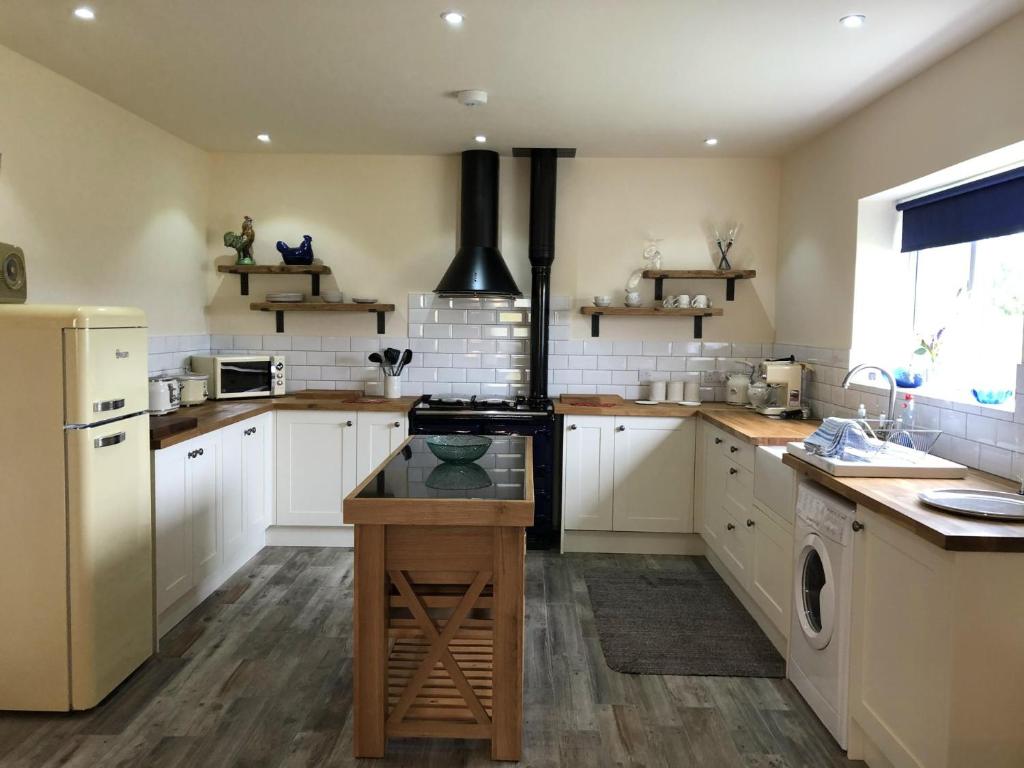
[815, 599]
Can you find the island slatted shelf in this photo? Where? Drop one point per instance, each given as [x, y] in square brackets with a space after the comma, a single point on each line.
[280, 307]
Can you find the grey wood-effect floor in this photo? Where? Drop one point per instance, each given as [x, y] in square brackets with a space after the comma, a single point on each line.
[261, 675]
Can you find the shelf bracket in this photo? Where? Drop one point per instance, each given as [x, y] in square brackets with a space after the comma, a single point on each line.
[595, 324]
[245, 283]
[730, 289]
[698, 326]
[658, 287]
[316, 283]
[380, 321]
[279, 320]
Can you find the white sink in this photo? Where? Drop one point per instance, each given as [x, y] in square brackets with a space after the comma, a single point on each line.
[893, 461]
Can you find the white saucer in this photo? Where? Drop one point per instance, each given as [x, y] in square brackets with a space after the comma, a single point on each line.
[692, 403]
[646, 402]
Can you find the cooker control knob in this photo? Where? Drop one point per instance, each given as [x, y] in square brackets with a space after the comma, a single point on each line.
[279, 366]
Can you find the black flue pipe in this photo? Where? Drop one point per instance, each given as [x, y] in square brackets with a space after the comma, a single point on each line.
[543, 184]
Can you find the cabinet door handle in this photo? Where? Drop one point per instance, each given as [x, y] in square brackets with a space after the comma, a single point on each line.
[621, 428]
[348, 423]
[857, 525]
[398, 423]
[730, 527]
[733, 471]
[718, 441]
[733, 449]
[572, 426]
[750, 523]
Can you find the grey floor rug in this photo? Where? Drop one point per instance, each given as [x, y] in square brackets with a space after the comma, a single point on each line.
[679, 621]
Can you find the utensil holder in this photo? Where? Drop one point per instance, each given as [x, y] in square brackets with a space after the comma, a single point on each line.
[392, 387]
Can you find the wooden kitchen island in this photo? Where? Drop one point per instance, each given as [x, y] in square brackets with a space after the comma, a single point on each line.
[439, 603]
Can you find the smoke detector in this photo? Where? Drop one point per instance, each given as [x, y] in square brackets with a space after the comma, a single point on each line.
[471, 98]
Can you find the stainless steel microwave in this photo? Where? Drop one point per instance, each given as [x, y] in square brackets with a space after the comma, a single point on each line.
[238, 376]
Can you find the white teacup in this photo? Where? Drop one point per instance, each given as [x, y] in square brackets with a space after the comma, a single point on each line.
[632, 298]
[669, 302]
[683, 301]
[700, 301]
[602, 301]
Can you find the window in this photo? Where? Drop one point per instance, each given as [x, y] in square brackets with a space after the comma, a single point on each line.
[969, 314]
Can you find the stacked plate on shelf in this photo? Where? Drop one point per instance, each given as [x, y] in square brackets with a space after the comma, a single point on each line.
[286, 297]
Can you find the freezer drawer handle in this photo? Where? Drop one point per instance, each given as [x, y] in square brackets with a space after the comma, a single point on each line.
[103, 442]
[108, 405]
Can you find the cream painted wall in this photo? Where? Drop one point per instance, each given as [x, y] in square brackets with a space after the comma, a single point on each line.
[108, 208]
[387, 226]
[966, 105]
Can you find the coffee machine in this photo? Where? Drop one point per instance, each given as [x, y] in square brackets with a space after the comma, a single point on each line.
[785, 389]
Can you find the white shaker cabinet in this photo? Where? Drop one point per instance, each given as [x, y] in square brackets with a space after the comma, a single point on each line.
[247, 484]
[628, 474]
[587, 479]
[771, 567]
[653, 471]
[379, 434]
[172, 527]
[203, 502]
[322, 456]
[316, 465]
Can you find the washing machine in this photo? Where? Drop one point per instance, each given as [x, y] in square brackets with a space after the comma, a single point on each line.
[819, 638]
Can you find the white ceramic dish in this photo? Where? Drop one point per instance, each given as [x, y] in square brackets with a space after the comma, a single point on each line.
[364, 301]
[332, 297]
[291, 298]
[691, 403]
[646, 402]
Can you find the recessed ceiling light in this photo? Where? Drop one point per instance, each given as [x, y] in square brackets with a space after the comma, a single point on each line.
[853, 21]
[711, 141]
[264, 137]
[85, 13]
[454, 18]
[481, 139]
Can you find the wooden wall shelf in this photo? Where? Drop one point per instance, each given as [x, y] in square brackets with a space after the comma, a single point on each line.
[279, 308]
[244, 270]
[697, 314]
[729, 275]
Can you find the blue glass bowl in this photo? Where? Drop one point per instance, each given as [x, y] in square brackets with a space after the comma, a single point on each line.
[906, 379]
[458, 477]
[992, 396]
[458, 449]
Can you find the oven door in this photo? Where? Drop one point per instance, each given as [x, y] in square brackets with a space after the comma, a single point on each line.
[244, 378]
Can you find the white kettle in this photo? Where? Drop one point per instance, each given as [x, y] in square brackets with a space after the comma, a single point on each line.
[736, 389]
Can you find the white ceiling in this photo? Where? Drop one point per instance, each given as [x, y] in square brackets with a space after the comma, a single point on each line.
[612, 77]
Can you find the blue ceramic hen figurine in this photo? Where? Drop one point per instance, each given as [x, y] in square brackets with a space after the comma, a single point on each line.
[301, 255]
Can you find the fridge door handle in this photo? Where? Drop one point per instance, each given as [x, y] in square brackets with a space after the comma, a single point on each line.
[103, 442]
[108, 405]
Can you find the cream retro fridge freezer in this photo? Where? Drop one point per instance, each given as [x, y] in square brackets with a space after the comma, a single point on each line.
[76, 551]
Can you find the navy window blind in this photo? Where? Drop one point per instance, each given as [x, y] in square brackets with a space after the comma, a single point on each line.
[977, 210]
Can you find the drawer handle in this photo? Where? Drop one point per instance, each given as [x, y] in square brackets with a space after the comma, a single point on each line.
[621, 428]
[857, 525]
[733, 471]
[398, 424]
[750, 523]
[250, 431]
[730, 527]
[572, 427]
[718, 441]
[104, 442]
[348, 423]
[196, 452]
[108, 405]
[733, 449]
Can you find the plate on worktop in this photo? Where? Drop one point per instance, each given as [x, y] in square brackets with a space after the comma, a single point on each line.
[690, 403]
[647, 402]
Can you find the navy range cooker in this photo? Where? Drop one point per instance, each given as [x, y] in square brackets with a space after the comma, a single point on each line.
[471, 415]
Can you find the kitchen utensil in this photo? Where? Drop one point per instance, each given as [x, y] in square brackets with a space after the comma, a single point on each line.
[758, 393]
[392, 386]
[602, 301]
[675, 390]
[736, 388]
[194, 389]
[657, 391]
[374, 357]
[406, 359]
[163, 395]
[458, 449]
[364, 301]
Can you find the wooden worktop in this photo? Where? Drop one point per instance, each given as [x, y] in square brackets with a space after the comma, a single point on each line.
[216, 414]
[738, 421]
[896, 498]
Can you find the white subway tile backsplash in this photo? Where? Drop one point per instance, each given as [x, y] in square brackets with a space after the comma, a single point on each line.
[417, 373]
[466, 331]
[954, 423]
[700, 363]
[248, 342]
[336, 343]
[672, 363]
[466, 361]
[641, 363]
[423, 345]
[612, 362]
[495, 361]
[480, 374]
[451, 374]
[980, 429]
[627, 348]
[583, 362]
[568, 377]
[438, 331]
[596, 347]
[320, 358]
[597, 377]
[452, 345]
[306, 343]
[716, 349]
[686, 348]
[657, 348]
[436, 360]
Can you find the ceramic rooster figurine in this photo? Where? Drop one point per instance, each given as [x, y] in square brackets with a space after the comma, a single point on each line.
[242, 243]
[300, 255]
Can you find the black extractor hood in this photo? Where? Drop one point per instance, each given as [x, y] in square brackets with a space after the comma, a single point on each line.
[478, 268]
